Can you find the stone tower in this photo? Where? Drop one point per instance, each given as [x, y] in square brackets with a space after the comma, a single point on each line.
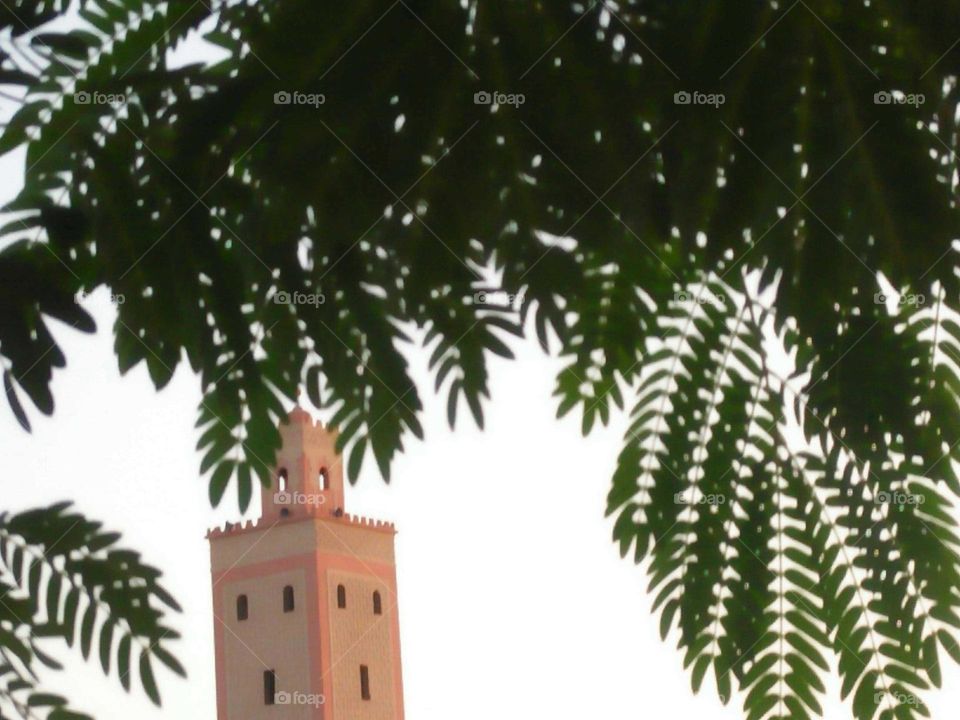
[305, 598]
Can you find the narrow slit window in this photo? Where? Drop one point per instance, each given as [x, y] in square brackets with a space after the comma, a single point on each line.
[282, 480]
[323, 479]
[377, 603]
[269, 687]
[341, 597]
[364, 683]
[243, 609]
[288, 603]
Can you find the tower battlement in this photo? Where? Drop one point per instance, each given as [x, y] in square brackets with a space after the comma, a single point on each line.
[236, 528]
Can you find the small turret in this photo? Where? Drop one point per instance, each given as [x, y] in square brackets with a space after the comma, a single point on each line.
[308, 479]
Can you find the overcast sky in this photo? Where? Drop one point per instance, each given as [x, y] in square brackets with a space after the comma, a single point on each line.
[514, 602]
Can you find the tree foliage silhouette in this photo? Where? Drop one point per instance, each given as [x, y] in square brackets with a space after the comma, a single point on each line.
[69, 580]
[677, 192]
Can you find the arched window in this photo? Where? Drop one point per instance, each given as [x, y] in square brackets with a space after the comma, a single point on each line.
[282, 480]
[377, 603]
[341, 596]
[323, 479]
[242, 607]
[288, 599]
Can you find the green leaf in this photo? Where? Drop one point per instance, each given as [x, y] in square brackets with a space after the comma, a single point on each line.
[356, 459]
[15, 402]
[123, 661]
[87, 628]
[106, 645]
[169, 660]
[219, 481]
[147, 679]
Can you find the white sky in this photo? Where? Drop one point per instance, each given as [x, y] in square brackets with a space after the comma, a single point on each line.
[514, 602]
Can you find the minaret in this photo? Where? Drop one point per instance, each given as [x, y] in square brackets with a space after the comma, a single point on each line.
[305, 598]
